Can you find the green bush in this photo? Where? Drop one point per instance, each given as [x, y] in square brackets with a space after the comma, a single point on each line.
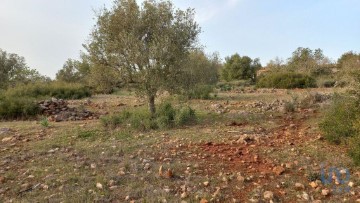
[185, 116]
[140, 119]
[58, 90]
[115, 120]
[339, 120]
[289, 107]
[285, 80]
[165, 115]
[328, 83]
[200, 92]
[354, 151]
[18, 108]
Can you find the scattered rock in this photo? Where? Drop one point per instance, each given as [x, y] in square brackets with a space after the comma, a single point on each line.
[99, 186]
[314, 184]
[7, 139]
[184, 195]
[299, 186]
[203, 201]
[206, 183]
[57, 110]
[278, 170]
[147, 167]
[268, 195]
[325, 192]
[305, 196]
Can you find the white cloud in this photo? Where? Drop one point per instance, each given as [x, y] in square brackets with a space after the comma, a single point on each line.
[211, 9]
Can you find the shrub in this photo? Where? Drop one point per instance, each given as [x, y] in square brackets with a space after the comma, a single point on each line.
[328, 83]
[289, 106]
[166, 117]
[44, 122]
[59, 90]
[185, 116]
[115, 120]
[200, 92]
[338, 121]
[18, 108]
[285, 80]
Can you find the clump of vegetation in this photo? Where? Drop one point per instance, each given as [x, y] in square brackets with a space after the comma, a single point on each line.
[289, 106]
[86, 134]
[44, 122]
[200, 92]
[140, 119]
[185, 116]
[285, 80]
[338, 122]
[18, 108]
[60, 90]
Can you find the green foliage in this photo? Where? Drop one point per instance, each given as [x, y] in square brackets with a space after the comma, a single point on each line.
[147, 45]
[200, 71]
[14, 71]
[185, 116]
[339, 120]
[44, 122]
[285, 80]
[59, 90]
[200, 92]
[289, 106]
[86, 134]
[74, 71]
[140, 119]
[237, 67]
[18, 108]
[165, 115]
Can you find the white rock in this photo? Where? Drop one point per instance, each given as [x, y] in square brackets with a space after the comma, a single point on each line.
[325, 192]
[99, 186]
[268, 195]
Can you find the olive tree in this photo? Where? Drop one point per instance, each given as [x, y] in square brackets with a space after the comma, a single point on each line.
[13, 71]
[238, 67]
[146, 44]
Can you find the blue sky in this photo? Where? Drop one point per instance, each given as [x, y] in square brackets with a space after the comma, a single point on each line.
[48, 32]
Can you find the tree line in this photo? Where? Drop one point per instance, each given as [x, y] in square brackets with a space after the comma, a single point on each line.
[154, 47]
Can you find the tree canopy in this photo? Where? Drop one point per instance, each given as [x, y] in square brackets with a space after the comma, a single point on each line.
[146, 44]
[13, 70]
[240, 68]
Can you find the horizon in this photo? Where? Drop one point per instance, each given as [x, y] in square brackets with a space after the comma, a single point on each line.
[47, 33]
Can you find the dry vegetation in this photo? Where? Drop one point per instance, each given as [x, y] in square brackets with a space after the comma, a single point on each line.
[240, 150]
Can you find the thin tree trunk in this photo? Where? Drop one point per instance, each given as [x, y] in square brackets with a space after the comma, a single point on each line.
[152, 106]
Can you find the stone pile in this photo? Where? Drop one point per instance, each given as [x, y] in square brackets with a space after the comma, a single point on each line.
[57, 110]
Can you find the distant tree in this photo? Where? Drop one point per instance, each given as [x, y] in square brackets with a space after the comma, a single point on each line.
[201, 69]
[305, 60]
[13, 71]
[237, 67]
[74, 70]
[349, 66]
[147, 45]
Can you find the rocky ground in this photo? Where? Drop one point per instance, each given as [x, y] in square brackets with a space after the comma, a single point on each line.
[246, 147]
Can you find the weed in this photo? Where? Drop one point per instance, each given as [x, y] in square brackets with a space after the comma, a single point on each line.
[44, 122]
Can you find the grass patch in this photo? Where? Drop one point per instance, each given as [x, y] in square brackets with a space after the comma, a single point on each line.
[285, 80]
[166, 117]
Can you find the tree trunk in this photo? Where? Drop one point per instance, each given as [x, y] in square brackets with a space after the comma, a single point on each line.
[152, 106]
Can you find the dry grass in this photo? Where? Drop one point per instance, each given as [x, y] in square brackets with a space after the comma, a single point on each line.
[66, 160]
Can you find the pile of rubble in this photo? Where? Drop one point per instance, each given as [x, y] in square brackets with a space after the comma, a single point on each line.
[57, 110]
[276, 105]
